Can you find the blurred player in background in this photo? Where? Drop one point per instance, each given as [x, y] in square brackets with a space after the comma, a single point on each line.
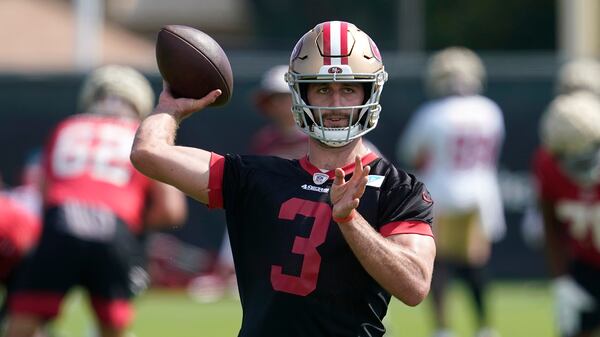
[567, 171]
[19, 232]
[96, 208]
[29, 191]
[319, 243]
[280, 137]
[20, 223]
[453, 142]
[577, 75]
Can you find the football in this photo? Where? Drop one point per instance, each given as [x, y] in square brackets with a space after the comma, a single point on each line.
[193, 63]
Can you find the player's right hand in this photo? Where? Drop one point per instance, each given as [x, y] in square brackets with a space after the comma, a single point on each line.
[181, 108]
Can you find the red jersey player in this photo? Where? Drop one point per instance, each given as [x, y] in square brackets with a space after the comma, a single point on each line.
[567, 170]
[96, 205]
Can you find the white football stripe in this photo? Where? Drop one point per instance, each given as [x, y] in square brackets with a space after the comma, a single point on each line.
[335, 42]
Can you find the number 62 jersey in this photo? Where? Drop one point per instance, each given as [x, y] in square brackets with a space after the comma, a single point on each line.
[87, 160]
[297, 276]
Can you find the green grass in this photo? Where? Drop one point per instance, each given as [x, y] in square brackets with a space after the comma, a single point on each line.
[518, 309]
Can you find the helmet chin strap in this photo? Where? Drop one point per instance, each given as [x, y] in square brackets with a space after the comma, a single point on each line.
[336, 137]
[334, 144]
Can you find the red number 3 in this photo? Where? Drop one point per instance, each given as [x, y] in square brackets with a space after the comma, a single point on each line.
[307, 281]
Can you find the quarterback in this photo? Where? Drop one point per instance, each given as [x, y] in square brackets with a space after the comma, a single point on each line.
[320, 243]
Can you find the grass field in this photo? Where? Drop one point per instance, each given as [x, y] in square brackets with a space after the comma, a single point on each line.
[519, 309]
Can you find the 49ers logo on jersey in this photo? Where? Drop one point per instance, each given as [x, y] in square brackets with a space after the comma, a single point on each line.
[320, 178]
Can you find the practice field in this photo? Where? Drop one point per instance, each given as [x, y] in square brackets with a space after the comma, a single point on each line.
[519, 309]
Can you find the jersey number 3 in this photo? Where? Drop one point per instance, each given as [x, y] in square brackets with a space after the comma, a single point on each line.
[307, 281]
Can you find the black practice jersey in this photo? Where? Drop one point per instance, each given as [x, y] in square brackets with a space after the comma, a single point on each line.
[296, 274]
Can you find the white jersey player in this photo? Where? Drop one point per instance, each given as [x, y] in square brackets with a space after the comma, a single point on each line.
[453, 143]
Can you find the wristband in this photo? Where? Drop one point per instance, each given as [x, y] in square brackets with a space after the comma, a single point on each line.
[346, 219]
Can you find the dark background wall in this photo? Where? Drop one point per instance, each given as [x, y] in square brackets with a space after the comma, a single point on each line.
[483, 25]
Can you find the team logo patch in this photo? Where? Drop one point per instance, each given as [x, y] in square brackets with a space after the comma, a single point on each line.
[334, 70]
[375, 50]
[427, 197]
[320, 178]
[375, 180]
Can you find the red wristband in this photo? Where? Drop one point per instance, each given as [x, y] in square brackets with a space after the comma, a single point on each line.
[346, 219]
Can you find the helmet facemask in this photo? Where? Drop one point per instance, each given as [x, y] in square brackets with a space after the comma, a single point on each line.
[362, 118]
[336, 52]
[584, 167]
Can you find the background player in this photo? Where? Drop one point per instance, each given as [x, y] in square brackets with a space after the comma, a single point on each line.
[19, 232]
[567, 170]
[453, 142]
[280, 137]
[20, 223]
[96, 209]
[319, 243]
[576, 75]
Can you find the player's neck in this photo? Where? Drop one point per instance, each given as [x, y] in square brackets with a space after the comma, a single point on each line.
[329, 158]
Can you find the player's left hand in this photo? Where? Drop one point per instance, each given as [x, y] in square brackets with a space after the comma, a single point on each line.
[345, 195]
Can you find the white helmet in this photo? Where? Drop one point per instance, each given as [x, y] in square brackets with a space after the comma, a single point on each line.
[580, 74]
[273, 80]
[336, 51]
[121, 81]
[570, 130]
[454, 71]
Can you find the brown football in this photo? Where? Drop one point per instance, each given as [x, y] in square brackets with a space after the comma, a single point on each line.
[193, 63]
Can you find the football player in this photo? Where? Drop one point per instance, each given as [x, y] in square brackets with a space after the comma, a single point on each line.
[273, 100]
[453, 142]
[19, 232]
[96, 207]
[580, 74]
[567, 171]
[319, 243]
[20, 223]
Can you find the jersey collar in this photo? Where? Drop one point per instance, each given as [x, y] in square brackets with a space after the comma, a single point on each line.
[348, 169]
